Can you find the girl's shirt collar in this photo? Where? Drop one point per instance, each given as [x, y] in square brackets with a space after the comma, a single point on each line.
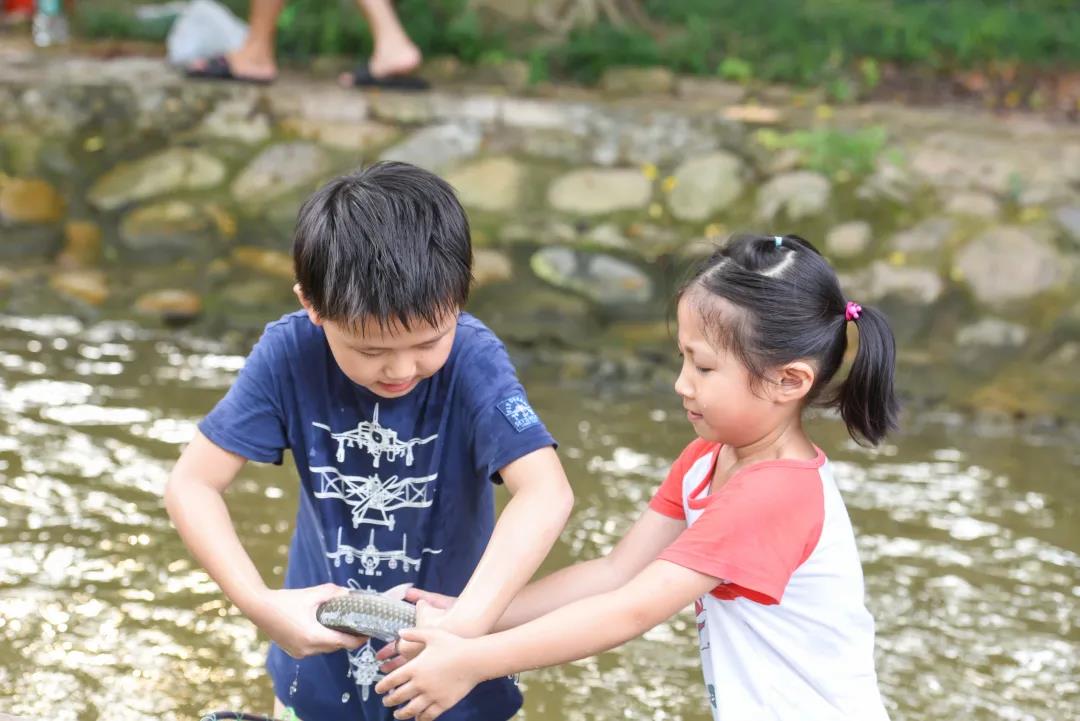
[699, 497]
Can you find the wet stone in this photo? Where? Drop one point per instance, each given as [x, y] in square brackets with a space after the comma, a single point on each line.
[82, 244]
[601, 278]
[849, 239]
[634, 81]
[407, 108]
[437, 147]
[1010, 263]
[167, 231]
[20, 149]
[597, 192]
[1069, 220]
[888, 182]
[29, 200]
[715, 92]
[492, 184]
[358, 137]
[797, 195]
[973, 205]
[278, 170]
[928, 235]
[264, 261]
[992, 332]
[171, 171]
[921, 286]
[491, 266]
[705, 186]
[237, 119]
[170, 305]
[87, 286]
[538, 316]
[30, 241]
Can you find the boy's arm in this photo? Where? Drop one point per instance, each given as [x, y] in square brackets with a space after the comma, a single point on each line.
[524, 533]
[449, 666]
[194, 501]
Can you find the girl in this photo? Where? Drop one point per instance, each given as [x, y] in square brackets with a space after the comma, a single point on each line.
[749, 525]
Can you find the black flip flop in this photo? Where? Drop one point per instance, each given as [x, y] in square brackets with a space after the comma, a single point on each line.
[218, 68]
[362, 78]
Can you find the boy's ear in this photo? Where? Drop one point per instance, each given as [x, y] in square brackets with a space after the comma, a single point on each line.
[794, 382]
[312, 315]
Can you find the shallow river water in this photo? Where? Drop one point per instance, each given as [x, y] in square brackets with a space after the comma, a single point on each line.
[970, 539]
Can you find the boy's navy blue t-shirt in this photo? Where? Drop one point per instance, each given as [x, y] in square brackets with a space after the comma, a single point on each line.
[393, 490]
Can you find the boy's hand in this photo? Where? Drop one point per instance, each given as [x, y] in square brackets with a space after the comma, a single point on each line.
[288, 618]
[435, 680]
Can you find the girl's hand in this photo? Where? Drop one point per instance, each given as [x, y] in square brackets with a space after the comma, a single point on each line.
[395, 655]
[435, 680]
[288, 618]
[430, 609]
[415, 595]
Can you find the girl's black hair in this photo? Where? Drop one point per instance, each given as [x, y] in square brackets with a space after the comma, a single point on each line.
[786, 305]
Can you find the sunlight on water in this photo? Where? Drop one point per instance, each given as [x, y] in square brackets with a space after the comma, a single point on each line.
[970, 543]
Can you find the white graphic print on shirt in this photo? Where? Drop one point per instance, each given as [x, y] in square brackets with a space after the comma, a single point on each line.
[377, 440]
[373, 500]
[371, 557]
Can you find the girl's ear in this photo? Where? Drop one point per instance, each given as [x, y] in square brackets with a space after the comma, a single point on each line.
[794, 382]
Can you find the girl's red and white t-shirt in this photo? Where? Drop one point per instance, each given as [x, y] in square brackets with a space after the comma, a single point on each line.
[786, 633]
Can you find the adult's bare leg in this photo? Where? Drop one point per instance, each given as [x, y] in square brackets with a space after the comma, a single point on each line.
[255, 58]
[394, 52]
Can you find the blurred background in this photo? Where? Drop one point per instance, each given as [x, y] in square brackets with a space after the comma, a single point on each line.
[930, 149]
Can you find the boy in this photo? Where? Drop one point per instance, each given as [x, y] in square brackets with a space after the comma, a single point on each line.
[399, 409]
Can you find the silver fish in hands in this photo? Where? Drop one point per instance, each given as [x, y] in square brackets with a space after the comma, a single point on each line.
[364, 613]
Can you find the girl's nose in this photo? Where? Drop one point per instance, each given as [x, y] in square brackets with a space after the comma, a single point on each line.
[682, 386]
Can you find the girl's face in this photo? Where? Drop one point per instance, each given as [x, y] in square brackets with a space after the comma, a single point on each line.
[715, 387]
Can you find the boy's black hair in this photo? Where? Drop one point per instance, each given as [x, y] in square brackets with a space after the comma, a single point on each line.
[786, 305]
[389, 242]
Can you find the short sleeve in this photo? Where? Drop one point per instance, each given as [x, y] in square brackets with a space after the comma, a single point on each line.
[754, 533]
[249, 420]
[669, 497]
[505, 426]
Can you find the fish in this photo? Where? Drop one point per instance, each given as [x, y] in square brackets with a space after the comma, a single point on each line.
[367, 613]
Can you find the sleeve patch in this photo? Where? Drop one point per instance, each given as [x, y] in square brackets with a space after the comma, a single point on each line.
[518, 412]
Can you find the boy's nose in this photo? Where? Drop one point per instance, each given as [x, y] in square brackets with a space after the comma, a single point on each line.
[400, 370]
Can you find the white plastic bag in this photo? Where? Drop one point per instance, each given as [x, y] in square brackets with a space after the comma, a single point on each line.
[204, 29]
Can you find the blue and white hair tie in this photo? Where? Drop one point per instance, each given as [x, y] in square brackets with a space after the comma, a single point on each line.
[779, 240]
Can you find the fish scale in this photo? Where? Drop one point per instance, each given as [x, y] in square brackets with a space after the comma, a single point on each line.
[363, 613]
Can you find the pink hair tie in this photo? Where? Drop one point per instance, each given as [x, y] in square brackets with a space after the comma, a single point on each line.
[852, 310]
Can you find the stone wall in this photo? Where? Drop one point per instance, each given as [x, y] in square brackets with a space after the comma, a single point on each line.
[127, 189]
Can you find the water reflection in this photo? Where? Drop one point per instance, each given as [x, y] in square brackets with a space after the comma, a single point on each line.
[970, 542]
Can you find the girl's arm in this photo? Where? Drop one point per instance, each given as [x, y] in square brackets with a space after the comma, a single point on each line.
[525, 531]
[449, 667]
[195, 502]
[643, 542]
[652, 533]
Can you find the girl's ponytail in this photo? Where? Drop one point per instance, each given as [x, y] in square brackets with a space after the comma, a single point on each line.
[866, 398]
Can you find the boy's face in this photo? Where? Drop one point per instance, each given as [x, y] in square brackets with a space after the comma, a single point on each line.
[388, 362]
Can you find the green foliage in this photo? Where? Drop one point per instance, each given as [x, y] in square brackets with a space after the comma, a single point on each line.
[736, 69]
[870, 73]
[840, 44]
[836, 153]
[840, 90]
